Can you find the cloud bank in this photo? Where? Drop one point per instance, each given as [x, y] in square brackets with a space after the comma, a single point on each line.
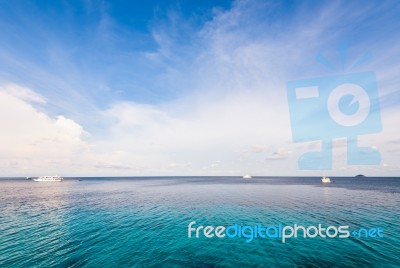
[204, 98]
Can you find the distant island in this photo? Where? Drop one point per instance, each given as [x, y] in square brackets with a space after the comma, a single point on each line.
[360, 175]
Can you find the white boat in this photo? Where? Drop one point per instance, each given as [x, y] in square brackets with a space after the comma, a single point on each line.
[49, 178]
[247, 177]
[325, 179]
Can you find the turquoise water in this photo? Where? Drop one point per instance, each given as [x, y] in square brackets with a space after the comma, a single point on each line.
[143, 222]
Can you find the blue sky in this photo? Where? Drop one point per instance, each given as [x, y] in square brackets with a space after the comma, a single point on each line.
[181, 87]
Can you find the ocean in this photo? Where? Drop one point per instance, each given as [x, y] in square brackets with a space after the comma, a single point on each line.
[144, 222]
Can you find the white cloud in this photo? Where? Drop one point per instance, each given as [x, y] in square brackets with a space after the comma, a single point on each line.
[152, 138]
[279, 154]
[29, 138]
[23, 93]
[234, 108]
[180, 165]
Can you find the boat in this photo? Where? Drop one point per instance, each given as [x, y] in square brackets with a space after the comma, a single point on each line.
[247, 177]
[325, 179]
[49, 178]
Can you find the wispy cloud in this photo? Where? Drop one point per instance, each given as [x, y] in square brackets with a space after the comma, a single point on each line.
[205, 95]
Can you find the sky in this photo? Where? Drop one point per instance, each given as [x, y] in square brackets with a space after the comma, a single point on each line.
[166, 88]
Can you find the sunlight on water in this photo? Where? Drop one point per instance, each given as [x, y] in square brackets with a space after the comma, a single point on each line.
[126, 222]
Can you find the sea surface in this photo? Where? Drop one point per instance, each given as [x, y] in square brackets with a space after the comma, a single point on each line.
[143, 222]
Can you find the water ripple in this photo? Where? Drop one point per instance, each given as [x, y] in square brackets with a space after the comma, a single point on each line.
[143, 222]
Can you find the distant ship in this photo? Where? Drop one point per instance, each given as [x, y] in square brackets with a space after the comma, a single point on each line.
[247, 177]
[325, 179]
[49, 178]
